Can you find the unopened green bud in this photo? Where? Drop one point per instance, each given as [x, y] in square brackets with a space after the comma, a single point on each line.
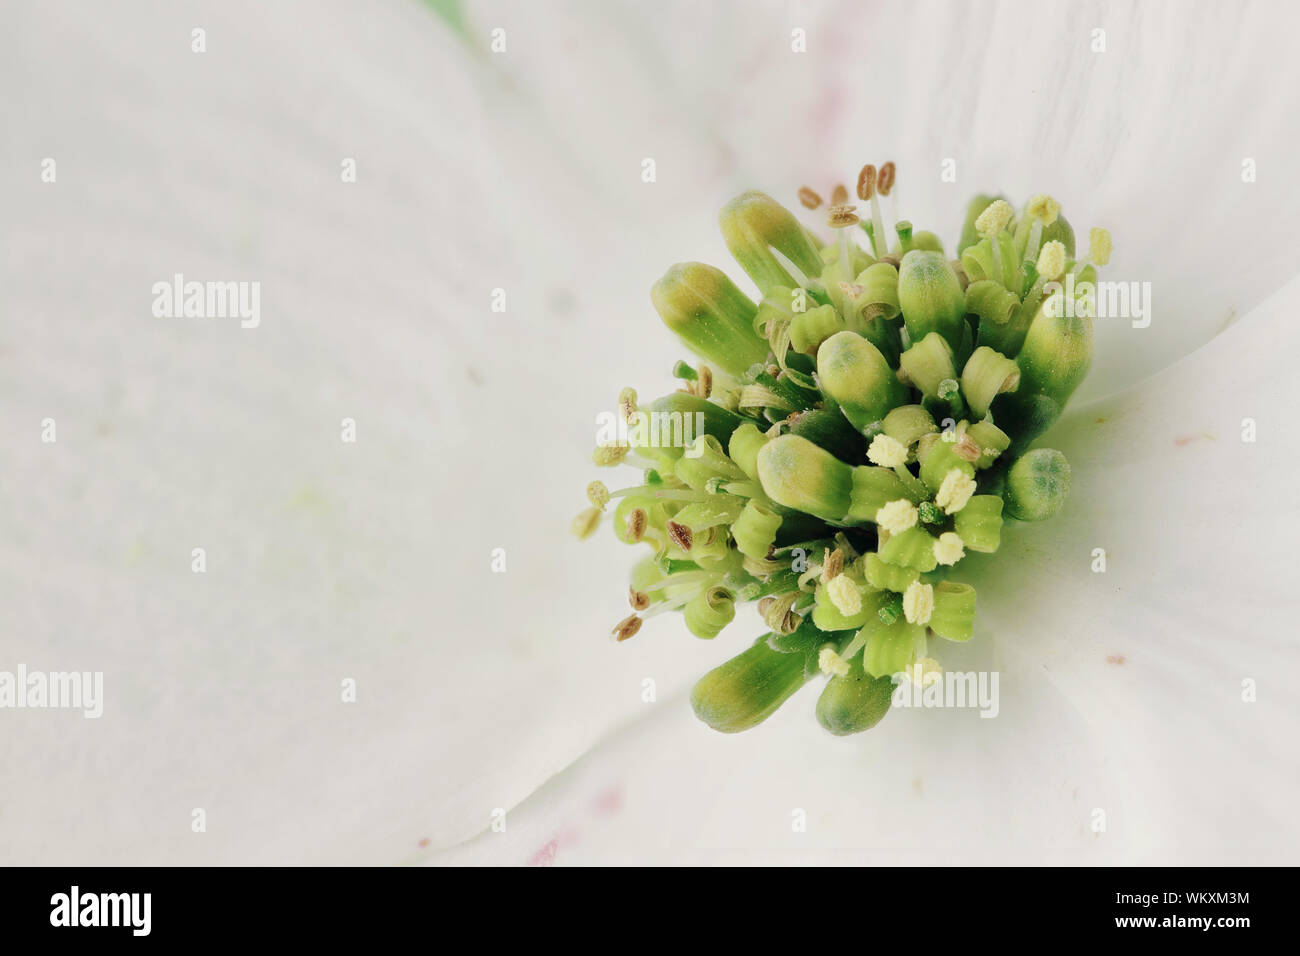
[709, 612]
[927, 242]
[979, 524]
[855, 701]
[755, 530]
[987, 375]
[907, 423]
[1053, 361]
[953, 616]
[829, 428]
[931, 297]
[855, 374]
[928, 364]
[752, 225]
[746, 690]
[1037, 485]
[710, 315]
[677, 412]
[798, 474]
[743, 448]
[872, 307]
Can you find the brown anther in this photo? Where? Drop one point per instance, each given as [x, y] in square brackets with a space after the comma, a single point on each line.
[680, 535]
[841, 216]
[773, 370]
[639, 600]
[779, 615]
[966, 449]
[839, 195]
[885, 181]
[627, 628]
[833, 564]
[704, 386]
[627, 404]
[809, 198]
[636, 524]
[867, 182]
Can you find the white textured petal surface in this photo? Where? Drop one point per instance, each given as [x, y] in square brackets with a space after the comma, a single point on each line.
[1121, 692]
[371, 561]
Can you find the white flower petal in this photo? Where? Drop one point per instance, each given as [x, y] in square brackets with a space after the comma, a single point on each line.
[1121, 692]
[1147, 138]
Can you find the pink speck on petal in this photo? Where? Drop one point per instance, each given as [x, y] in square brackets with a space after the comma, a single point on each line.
[1115, 659]
[546, 855]
[610, 801]
[423, 844]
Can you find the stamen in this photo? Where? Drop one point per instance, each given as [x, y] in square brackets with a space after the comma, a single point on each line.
[918, 603]
[966, 448]
[1051, 261]
[832, 565]
[840, 217]
[809, 198]
[924, 671]
[627, 404]
[948, 549]
[989, 224]
[1042, 210]
[639, 600]
[868, 184]
[795, 272]
[704, 387]
[607, 456]
[839, 195]
[887, 452]
[885, 185]
[897, 516]
[586, 522]
[598, 494]
[627, 628]
[1050, 267]
[1099, 246]
[831, 664]
[844, 595]
[680, 535]
[636, 524]
[955, 491]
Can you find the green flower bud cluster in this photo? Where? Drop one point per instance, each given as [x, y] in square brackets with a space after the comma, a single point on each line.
[857, 438]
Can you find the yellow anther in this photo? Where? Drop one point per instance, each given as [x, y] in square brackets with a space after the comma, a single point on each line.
[994, 218]
[887, 452]
[897, 516]
[948, 549]
[955, 491]
[1099, 246]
